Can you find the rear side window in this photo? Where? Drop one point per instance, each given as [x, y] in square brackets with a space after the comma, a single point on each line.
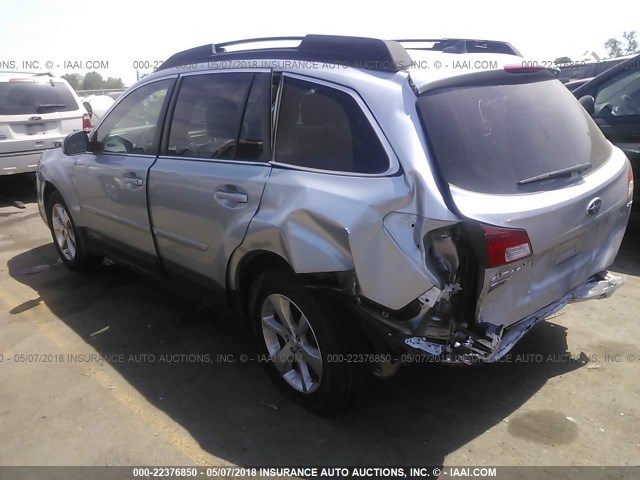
[486, 138]
[26, 98]
[222, 115]
[324, 128]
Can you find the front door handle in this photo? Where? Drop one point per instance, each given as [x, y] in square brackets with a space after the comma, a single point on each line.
[232, 196]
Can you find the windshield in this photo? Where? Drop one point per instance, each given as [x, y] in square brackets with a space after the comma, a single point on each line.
[25, 98]
[487, 138]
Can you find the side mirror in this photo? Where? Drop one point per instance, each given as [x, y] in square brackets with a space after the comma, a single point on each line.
[88, 108]
[76, 143]
[588, 103]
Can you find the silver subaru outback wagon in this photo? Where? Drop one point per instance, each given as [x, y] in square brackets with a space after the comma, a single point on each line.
[354, 210]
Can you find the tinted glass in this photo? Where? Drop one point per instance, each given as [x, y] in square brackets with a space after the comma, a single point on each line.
[324, 128]
[132, 125]
[35, 98]
[602, 67]
[487, 138]
[574, 72]
[207, 118]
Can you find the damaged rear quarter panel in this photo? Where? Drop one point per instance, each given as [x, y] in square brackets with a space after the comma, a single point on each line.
[322, 222]
[319, 222]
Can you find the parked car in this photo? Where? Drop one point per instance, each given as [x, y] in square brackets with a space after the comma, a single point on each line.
[37, 111]
[581, 70]
[358, 213]
[613, 100]
[97, 106]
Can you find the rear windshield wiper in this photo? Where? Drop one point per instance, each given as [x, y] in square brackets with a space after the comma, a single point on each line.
[49, 105]
[556, 173]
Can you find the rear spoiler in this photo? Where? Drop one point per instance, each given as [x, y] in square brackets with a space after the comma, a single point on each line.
[508, 75]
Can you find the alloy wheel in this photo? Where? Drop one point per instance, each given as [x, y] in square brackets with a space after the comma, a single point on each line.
[63, 231]
[292, 344]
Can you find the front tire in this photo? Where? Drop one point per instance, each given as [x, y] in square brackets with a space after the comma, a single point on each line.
[66, 237]
[302, 343]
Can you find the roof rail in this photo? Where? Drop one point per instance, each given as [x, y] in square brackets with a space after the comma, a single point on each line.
[18, 72]
[358, 52]
[461, 45]
[223, 47]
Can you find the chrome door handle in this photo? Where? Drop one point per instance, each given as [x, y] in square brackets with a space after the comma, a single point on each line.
[232, 196]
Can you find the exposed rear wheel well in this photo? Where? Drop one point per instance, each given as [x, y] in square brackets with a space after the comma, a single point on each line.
[253, 265]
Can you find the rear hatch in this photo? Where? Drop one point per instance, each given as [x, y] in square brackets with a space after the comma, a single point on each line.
[36, 112]
[495, 139]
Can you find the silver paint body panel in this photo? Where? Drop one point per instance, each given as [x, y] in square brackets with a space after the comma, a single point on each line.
[326, 222]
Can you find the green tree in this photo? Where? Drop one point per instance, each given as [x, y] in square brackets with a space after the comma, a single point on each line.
[74, 79]
[613, 46]
[632, 43]
[627, 46]
[112, 82]
[92, 81]
[561, 60]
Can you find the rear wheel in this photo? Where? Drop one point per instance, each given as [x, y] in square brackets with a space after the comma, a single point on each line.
[66, 237]
[302, 344]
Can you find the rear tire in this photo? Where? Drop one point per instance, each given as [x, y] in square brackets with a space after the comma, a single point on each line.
[67, 239]
[302, 344]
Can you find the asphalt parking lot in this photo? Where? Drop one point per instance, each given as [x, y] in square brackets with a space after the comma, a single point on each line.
[567, 396]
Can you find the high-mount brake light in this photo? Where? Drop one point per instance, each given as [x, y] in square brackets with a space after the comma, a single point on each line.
[523, 68]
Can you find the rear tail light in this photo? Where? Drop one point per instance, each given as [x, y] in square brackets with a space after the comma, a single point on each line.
[630, 180]
[505, 245]
[86, 122]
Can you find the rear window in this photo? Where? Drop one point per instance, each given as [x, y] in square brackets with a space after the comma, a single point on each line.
[35, 98]
[487, 138]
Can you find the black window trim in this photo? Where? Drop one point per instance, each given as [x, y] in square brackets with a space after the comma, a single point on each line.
[164, 143]
[394, 164]
[161, 118]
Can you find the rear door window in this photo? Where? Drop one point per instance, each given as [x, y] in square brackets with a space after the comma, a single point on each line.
[27, 98]
[324, 128]
[222, 116]
[486, 138]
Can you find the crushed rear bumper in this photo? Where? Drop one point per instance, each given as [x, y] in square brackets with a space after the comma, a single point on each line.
[500, 340]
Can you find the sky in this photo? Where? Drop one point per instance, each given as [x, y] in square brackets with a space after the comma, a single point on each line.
[116, 33]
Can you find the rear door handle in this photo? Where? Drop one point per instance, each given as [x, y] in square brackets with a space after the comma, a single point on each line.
[232, 196]
[133, 179]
